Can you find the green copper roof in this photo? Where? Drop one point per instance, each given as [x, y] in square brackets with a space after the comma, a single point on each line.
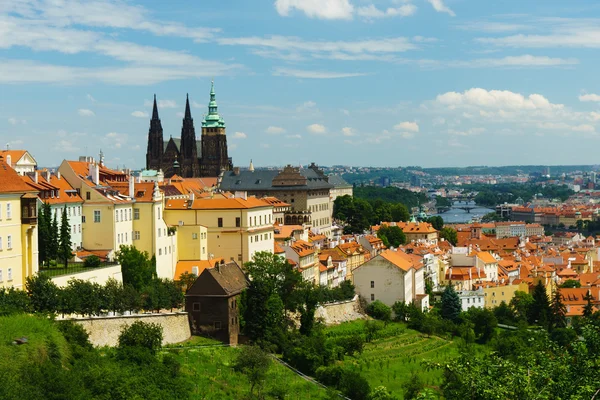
[213, 119]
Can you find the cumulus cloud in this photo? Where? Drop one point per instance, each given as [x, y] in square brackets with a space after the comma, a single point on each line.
[439, 6]
[275, 130]
[590, 97]
[371, 12]
[84, 112]
[115, 140]
[161, 103]
[140, 114]
[316, 128]
[347, 131]
[307, 105]
[468, 132]
[240, 135]
[90, 98]
[407, 126]
[294, 136]
[322, 9]
[495, 99]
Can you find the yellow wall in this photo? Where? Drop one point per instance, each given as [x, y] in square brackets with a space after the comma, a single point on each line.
[21, 260]
[496, 295]
[192, 242]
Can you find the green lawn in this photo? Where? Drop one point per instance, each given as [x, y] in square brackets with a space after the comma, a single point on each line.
[396, 353]
[210, 368]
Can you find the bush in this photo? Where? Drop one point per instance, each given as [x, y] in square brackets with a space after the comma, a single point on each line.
[380, 311]
[142, 335]
[13, 301]
[92, 262]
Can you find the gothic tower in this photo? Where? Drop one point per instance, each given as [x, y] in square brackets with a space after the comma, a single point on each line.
[214, 158]
[188, 151]
[154, 152]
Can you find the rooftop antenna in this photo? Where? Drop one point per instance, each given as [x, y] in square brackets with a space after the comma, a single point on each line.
[7, 146]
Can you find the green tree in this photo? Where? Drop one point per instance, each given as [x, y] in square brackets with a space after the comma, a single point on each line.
[484, 323]
[53, 239]
[253, 362]
[413, 386]
[504, 314]
[382, 393]
[137, 268]
[436, 221]
[380, 311]
[186, 280]
[558, 311]
[400, 213]
[491, 217]
[570, 283]
[521, 304]
[92, 261]
[43, 293]
[400, 309]
[588, 309]
[148, 336]
[451, 306]
[44, 233]
[64, 244]
[449, 234]
[539, 312]
[13, 301]
[391, 236]
[114, 296]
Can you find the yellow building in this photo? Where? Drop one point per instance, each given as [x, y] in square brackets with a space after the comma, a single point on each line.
[18, 228]
[496, 294]
[304, 255]
[107, 214]
[236, 228]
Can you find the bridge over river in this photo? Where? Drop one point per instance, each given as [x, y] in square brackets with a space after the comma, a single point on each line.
[462, 211]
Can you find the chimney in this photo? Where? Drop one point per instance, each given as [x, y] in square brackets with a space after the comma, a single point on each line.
[236, 170]
[48, 175]
[9, 160]
[58, 175]
[131, 187]
[35, 177]
[195, 270]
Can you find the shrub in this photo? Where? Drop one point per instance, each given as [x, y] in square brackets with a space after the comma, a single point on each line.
[143, 335]
[92, 262]
[253, 362]
[380, 311]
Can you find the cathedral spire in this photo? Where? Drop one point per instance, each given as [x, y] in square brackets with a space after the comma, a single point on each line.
[213, 119]
[155, 109]
[188, 113]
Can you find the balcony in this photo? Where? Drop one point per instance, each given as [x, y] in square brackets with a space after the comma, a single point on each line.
[28, 210]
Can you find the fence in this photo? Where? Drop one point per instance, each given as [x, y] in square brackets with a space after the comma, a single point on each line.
[73, 268]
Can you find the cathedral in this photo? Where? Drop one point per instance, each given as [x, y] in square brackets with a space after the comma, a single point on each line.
[188, 157]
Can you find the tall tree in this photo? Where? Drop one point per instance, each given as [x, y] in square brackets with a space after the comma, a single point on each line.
[44, 237]
[449, 234]
[541, 306]
[391, 236]
[64, 245]
[588, 309]
[137, 268]
[53, 239]
[558, 311]
[451, 306]
[400, 213]
[521, 304]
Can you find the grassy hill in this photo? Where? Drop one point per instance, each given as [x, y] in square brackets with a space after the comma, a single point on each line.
[210, 368]
[396, 353]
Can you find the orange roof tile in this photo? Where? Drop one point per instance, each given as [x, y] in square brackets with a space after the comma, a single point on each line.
[186, 266]
[10, 181]
[217, 204]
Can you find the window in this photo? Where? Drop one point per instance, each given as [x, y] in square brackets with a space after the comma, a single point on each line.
[238, 222]
[9, 243]
[8, 211]
[130, 214]
[96, 216]
[136, 235]
[372, 284]
[83, 219]
[87, 195]
[158, 215]
[250, 239]
[79, 211]
[69, 211]
[260, 219]
[9, 274]
[196, 307]
[232, 321]
[160, 252]
[79, 228]
[122, 219]
[372, 297]
[136, 213]
[194, 236]
[116, 215]
[203, 249]
[159, 232]
[125, 236]
[255, 220]
[220, 222]
[217, 324]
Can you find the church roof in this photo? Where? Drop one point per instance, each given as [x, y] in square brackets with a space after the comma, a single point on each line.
[178, 144]
[313, 178]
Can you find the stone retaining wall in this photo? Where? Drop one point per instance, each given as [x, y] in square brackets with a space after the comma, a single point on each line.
[338, 312]
[104, 331]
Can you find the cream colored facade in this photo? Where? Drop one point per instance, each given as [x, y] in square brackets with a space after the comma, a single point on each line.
[19, 160]
[236, 228]
[192, 242]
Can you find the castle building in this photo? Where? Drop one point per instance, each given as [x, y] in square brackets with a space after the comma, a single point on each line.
[187, 156]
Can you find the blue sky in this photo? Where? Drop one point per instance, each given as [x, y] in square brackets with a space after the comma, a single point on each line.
[354, 82]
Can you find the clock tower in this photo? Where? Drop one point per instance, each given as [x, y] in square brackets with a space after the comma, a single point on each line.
[214, 158]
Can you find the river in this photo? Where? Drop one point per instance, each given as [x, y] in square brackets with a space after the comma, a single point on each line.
[456, 215]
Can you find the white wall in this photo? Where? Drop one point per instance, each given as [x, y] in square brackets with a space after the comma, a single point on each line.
[389, 281]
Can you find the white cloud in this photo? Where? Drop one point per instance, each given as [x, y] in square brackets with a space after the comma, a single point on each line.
[347, 131]
[115, 140]
[240, 135]
[439, 6]
[294, 136]
[495, 99]
[180, 114]
[590, 97]
[306, 106]
[161, 103]
[90, 98]
[275, 130]
[84, 112]
[468, 132]
[140, 114]
[493, 27]
[316, 128]
[407, 126]
[322, 9]
[66, 146]
[371, 11]
[566, 127]
[13, 121]
[296, 73]
[197, 105]
[525, 60]
[345, 112]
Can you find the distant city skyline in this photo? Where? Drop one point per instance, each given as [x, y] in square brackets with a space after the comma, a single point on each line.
[383, 83]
